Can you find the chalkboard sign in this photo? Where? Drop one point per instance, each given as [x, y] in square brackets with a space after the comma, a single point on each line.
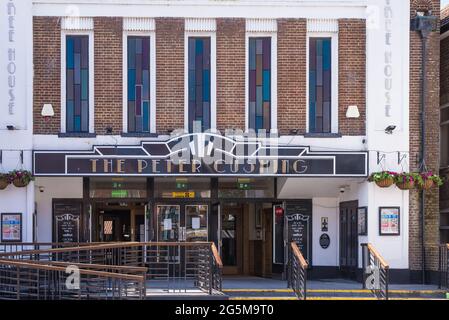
[67, 222]
[299, 219]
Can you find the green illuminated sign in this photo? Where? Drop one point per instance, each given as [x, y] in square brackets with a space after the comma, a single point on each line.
[119, 193]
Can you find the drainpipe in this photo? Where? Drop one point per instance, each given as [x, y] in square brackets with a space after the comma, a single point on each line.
[424, 23]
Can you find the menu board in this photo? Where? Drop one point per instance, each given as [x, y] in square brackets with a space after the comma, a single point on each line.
[299, 218]
[67, 222]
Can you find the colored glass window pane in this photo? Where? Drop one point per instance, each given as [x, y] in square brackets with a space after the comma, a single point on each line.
[320, 86]
[139, 84]
[199, 86]
[77, 83]
[259, 83]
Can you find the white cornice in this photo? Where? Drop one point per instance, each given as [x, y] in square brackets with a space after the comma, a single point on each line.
[200, 25]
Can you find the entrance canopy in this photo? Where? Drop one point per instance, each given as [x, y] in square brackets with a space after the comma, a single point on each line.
[202, 154]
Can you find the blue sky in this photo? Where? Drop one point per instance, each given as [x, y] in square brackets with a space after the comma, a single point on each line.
[444, 2]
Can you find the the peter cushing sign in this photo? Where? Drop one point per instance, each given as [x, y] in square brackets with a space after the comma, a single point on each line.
[200, 155]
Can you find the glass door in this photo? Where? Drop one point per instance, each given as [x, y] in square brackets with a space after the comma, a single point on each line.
[196, 219]
[168, 223]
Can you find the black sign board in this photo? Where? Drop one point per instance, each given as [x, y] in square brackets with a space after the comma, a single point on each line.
[66, 221]
[201, 155]
[298, 215]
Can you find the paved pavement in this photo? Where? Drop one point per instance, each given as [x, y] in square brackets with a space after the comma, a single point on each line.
[331, 284]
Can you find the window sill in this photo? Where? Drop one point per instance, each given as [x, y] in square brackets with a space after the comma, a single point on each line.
[139, 135]
[322, 135]
[77, 135]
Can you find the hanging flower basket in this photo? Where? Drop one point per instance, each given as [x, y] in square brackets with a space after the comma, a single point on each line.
[405, 180]
[427, 180]
[20, 178]
[383, 179]
[4, 181]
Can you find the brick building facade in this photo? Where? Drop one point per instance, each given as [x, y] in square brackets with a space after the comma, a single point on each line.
[125, 83]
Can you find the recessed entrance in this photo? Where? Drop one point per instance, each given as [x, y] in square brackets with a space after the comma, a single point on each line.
[117, 222]
[246, 239]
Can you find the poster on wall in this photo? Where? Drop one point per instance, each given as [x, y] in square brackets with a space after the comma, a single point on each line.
[299, 221]
[11, 226]
[362, 221]
[66, 222]
[389, 221]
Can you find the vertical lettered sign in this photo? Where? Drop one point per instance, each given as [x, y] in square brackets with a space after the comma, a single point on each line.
[15, 50]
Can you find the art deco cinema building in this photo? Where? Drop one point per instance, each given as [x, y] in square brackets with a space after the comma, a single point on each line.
[248, 123]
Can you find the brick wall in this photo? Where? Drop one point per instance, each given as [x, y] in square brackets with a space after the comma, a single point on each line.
[47, 73]
[292, 75]
[170, 74]
[230, 74]
[108, 48]
[352, 74]
[432, 142]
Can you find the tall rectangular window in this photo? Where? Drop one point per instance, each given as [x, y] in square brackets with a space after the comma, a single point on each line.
[139, 84]
[320, 86]
[77, 83]
[199, 86]
[259, 83]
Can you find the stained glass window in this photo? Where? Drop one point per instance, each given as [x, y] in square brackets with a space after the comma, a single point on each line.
[139, 84]
[77, 83]
[199, 52]
[260, 83]
[320, 92]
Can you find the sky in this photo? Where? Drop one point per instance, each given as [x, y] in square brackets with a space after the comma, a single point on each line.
[444, 2]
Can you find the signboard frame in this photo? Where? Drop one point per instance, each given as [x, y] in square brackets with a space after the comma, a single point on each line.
[305, 215]
[20, 222]
[67, 202]
[383, 231]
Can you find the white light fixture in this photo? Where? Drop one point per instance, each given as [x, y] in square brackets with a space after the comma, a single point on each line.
[47, 110]
[352, 112]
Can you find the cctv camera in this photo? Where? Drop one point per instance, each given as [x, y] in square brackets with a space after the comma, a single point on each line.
[342, 189]
[41, 189]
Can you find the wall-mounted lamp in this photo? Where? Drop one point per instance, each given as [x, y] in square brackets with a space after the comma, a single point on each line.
[390, 129]
[352, 112]
[47, 110]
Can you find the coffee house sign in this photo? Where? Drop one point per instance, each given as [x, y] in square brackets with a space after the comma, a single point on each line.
[200, 155]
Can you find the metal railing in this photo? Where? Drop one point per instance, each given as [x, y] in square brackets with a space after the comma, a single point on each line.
[297, 277]
[20, 280]
[376, 272]
[8, 247]
[179, 267]
[444, 266]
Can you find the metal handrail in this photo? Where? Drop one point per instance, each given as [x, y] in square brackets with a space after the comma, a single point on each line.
[376, 272]
[297, 279]
[31, 280]
[169, 266]
[444, 266]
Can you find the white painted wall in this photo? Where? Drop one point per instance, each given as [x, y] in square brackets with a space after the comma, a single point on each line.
[16, 83]
[54, 188]
[325, 207]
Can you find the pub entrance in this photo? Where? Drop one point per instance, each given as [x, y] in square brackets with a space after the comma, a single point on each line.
[119, 221]
[246, 239]
[348, 239]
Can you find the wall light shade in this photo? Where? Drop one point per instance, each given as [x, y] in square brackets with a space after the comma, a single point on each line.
[47, 110]
[352, 112]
